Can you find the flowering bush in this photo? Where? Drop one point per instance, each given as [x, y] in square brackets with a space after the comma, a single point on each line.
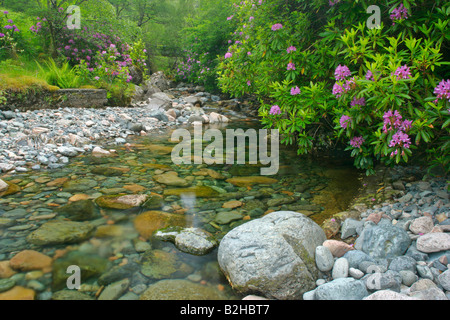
[323, 77]
[111, 73]
[99, 55]
[196, 68]
[8, 35]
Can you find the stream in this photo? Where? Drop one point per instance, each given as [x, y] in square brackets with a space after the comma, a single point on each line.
[47, 211]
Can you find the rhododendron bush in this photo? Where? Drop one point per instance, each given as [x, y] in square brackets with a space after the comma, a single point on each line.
[323, 76]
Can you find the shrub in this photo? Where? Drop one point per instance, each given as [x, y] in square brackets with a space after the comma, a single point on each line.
[381, 92]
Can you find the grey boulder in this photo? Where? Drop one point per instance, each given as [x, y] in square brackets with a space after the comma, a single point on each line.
[273, 255]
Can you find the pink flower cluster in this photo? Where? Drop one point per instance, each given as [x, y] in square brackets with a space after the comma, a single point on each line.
[399, 13]
[275, 110]
[369, 76]
[342, 72]
[393, 121]
[358, 102]
[339, 89]
[345, 121]
[400, 139]
[291, 66]
[291, 49]
[277, 26]
[442, 90]
[333, 2]
[295, 91]
[10, 26]
[356, 142]
[403, 72]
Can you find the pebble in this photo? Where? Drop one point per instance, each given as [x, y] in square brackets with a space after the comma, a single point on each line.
[68, 132]
[324, 259]
[340, 268]
[402, 247]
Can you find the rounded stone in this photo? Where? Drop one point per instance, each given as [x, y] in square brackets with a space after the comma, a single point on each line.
[421, 225]
[355, 257]
[408, 277]
[444, 280]
[340, 269]
[355, 273]
[273, 255]
[324, 259]
[433, 242]
[342, 289]
[403, 263]
[178, 289]
[385, 241]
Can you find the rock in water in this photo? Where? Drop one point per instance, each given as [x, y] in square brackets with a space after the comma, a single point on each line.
[190, 240]
[59, 232]
[3, 186]
[179, 289]
[273, 255]
[79, 211]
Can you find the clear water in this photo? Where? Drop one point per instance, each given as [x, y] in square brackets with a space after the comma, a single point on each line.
[320, 187]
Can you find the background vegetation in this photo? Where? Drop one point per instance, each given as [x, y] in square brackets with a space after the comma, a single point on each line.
[320, 74]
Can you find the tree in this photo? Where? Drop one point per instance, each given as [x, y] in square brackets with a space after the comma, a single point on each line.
[55, 17]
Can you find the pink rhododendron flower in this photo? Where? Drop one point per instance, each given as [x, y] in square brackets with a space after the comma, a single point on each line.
[275, 110]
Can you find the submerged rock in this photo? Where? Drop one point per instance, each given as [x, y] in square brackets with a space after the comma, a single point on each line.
[71, 295]
[79, 211]
[158, 264]
[80, 185]
[121, 202]
[91, 265]
[61, 232]
[190, 240]
[171, 178]
[179, 289]
[251, 180]
[198, 191]
[148, 222]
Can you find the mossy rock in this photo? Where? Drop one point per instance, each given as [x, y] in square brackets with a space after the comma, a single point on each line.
[159, 264]
[91, 265]
[79, 211]
[197, 191]
[178, 289]
[250, 181]
[79, 185]
[148, 222]
[162, 167]
[107, 171]
[240, 170]
[61, 232]
[114, 202]
[70, 295]
[154, 202]
[12, 189]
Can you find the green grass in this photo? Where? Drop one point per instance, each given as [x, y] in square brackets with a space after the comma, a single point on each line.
[22, 76]
[63, 76]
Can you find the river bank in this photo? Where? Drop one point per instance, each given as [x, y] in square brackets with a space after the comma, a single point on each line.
[48, 138]
[104, 202]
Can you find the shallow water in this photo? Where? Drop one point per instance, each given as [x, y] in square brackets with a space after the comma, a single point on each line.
[315, 187]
